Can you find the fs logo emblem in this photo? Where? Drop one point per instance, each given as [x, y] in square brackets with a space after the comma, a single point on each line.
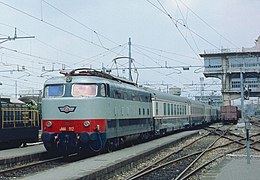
[67, 109]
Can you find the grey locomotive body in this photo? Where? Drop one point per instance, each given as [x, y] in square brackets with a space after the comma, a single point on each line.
[91, 110]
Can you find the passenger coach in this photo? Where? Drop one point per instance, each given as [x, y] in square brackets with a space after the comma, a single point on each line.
[171, 112]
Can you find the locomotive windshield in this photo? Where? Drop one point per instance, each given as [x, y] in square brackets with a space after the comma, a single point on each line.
[84, 90]
[54, 90]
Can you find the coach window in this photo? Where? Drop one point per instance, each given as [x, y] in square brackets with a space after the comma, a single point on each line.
[164, 109]
[54, 90]
[156, 108]
[84, 90]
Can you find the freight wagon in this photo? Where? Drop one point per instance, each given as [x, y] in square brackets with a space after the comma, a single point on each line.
[18, 123]
[229, 114]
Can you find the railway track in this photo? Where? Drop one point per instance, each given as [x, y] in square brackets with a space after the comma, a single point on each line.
[159, 163]
[170, 165]
[38, 165]
[21, 170]
[186, 159]
[183, 166]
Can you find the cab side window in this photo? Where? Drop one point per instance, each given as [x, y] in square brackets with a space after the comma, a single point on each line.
[103, 90]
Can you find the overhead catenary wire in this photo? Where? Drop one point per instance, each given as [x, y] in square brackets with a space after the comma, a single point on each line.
[176, 23]
[55, 26]
[162, 56]
[187, 26]
[208, 24]
[47, 60]
[167, 52]
[68, 31]
[34, 56]
[66, 52]
[94, 31]
[47, 22]
[97, 57]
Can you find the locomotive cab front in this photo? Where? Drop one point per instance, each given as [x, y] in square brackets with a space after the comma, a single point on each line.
[73, 114]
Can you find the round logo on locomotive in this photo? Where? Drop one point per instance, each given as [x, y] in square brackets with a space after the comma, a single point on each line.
[67, 109]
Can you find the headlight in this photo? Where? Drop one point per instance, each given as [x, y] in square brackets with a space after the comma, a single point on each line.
[48, 123]
[86, 123]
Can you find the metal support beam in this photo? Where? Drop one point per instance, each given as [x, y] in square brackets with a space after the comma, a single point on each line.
[130, 61]
[246, 121]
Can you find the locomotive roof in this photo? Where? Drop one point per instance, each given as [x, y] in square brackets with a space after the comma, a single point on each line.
[93, 80]
[93, 72]
[93, 76]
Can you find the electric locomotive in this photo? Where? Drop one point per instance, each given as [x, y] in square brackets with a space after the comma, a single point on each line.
[87, 110]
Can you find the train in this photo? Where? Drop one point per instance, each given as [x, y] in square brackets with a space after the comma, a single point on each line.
[229, 114]
[86, 110]
[19, 123]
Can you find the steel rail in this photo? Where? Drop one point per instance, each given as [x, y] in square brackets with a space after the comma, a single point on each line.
[238, 141]
[194, 161]
[163, 165]
[211, 145]
[205, 164]
[29, 165]
[162, 159]
[192, 172]
[151, 168]
[220, 156]
[24, 166]
[136, 176]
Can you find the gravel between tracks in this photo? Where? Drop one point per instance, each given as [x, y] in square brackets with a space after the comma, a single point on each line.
[235, 129]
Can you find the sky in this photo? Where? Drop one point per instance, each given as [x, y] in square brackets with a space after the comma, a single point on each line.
[85, 33]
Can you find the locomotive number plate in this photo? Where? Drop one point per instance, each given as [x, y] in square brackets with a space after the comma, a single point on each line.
[67, 129]
[71, 128]
[63, 128]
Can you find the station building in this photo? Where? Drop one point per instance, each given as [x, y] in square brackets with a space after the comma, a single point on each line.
[226, 64]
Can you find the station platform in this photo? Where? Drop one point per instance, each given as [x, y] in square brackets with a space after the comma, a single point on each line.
[24, 151]
[100, 166]
[235, 168]
[22, 155]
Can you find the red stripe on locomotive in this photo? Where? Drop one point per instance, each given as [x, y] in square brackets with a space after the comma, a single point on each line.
[74, 125]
